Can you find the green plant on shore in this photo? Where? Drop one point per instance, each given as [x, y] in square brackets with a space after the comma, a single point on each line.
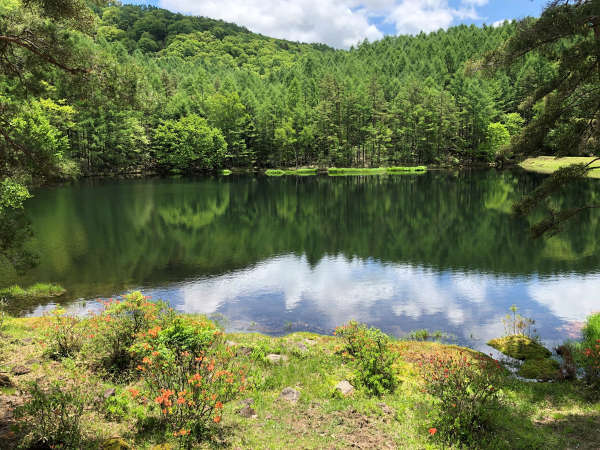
[3, 314]
[190, 373]
[371, 350]
[63, 334]
[39, 290]
[51, 418]
[466, 388]
[516, 324]
[116, 329]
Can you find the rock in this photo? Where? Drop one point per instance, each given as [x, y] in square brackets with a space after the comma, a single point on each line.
[276, 359]
[20, 370]
[290, 395]
[27, 340]
[300, 346]
[109, 393]
[5, 381]
[248, 412]
[345, 388]
[385, 408]
[247, 402]
[243, 351]
[33, 362]
[520, 347]
[115, 443]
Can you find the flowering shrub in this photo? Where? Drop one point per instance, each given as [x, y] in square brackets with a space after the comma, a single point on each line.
[189, 373]
[51, 419]
[466, 388]
[113, 332]
[371, 350]
[591, 363]
[63, 334]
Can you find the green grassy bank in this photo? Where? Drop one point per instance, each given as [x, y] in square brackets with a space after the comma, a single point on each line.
[549, 164]
[39, 290]
[289, 399]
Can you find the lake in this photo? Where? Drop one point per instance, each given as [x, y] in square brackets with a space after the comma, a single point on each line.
[440, 251]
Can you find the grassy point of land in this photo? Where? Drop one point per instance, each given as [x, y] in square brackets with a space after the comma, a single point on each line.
[335, 171]
[549, 164]
[534, 415]
[298, 172]
[39, 290]
[226, 172]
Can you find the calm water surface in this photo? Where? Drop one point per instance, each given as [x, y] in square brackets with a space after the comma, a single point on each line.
[437, 251]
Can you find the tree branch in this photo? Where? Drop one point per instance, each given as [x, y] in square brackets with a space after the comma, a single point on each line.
[33, 49]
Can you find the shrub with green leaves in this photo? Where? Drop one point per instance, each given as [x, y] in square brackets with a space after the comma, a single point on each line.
[371, 350]
[51, 418]
[466, 389]
[116, 329]
[63, 334]
[190, 373]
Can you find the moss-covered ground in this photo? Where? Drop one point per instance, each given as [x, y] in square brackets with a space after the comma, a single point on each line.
[533, 415]
[549, 164]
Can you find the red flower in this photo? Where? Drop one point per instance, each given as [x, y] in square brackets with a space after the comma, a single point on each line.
[432, 431]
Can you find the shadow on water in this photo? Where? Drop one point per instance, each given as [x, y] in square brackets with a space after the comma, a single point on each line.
[438, 251]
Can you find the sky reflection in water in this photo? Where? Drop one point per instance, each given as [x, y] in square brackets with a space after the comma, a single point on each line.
[286, 294]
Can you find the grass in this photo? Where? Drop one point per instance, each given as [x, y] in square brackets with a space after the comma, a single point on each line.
[339, 171]
[39, 290]
[549, 164]
[298, 172]
[226, 172]
[535, 415]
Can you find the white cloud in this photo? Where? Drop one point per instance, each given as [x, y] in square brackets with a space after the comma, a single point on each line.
[340, 23]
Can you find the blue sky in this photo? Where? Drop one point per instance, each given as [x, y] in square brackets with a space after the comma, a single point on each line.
[342, 23]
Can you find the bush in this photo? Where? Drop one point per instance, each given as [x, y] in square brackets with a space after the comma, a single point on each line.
[371, 350]
[51, 419]
[466, 387]
[116, 329]
[64, 335]
[591, 330]
[190, 373]
[591, 363]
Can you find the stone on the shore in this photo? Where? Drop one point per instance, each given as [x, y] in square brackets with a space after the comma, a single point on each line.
[20, 370]
[276, 359]
[290, 395]
[345, 388]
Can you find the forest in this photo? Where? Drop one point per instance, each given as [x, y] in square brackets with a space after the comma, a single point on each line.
[170, 93]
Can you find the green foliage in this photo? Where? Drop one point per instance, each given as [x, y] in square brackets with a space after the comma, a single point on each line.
[38, 290]
[12, 194]
[114, 331]
[543, 369]
[372, 352]
[122, 406]
[590, 350]
[466, 387]
[497, 139]
[520, 347]
[63, 334]
[274, 172]
[188, 144]
[516, 324]
[51, 418]
[190, 374]
[591, 330]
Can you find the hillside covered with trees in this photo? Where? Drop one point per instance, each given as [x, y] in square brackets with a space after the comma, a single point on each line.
[170, 93]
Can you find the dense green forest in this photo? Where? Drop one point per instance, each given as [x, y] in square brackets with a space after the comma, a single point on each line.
[173, 93]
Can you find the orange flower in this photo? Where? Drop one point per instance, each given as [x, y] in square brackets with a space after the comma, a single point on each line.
[219, 405]
[180, 401]
[432, 431]
[134, 392]
[217, 419]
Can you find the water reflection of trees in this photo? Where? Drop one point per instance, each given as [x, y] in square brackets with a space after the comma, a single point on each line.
[158, 231]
